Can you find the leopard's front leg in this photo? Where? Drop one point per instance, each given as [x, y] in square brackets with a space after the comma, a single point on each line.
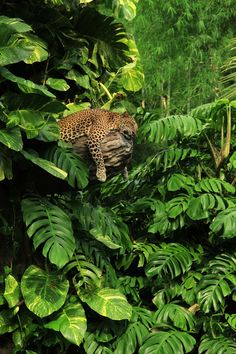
[94, 144]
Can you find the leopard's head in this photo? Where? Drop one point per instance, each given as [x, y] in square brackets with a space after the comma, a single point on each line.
[128, 126]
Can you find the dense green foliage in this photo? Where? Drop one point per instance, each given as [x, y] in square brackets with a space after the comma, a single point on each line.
[146, 265]
[183, 44]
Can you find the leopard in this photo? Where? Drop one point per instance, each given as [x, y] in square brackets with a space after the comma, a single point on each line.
[95, 124]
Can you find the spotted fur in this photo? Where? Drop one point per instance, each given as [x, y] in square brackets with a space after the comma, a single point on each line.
[95, 124]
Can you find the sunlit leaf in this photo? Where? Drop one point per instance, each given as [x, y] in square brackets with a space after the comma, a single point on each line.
[12, 291]
[109, 303]
[43, 293]
[71, 322]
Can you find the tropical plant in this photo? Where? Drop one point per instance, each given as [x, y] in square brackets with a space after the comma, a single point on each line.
[182, 51]
[143, 265]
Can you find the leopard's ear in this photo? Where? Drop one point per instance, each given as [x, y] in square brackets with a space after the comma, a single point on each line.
[125, 114]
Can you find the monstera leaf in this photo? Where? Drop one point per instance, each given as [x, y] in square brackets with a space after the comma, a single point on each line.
[64, 158]
[215, 286]
[44, 164]
[176, 315]
[132, 339]
[165, 129]
[49, 225]
[170, 342]
[221, 344]
[170, 260]
[224, 224]
[43, 293]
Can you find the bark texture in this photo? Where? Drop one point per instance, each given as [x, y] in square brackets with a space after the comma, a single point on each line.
[116, 149]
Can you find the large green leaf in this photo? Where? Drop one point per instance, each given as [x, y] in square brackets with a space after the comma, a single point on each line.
[49, 225]
[15, 24]
[218, 345]
[179, 181]
[46, 165]
[132, 339]
[214, 185]
[173, 314]
[124, 9]
[26, 86]
[105, 226]
[7, 323]
[28, 120]
[65, 159]
[169, 128]
[224, 224]
[200, 207]
[16, 44]
[217, 284]
[11, 138]
[170, 260]
[170, 342]
[12, 291]
[57, 84]
[43, 293]
[109, 303]
[71, 322]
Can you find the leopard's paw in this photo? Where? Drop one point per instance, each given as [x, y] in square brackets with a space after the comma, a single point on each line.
[101, 176]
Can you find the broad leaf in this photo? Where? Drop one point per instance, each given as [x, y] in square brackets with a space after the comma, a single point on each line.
[170, 342]
[28, 120]
[57, 84]
[132, 339]
[215, 286]
[65, 159]
[11, 138]
[46, 165]
[124, 9]
[43, 293]
[224, 224]
[209, 345]
[105, 226]
[49, 225]
[108, 303]
[199, 208]
[7, 323]
[71, 322]
[169, 128]
[24, 85]
[170, 260]
[132, 77]
[12, 291]
[173, 314]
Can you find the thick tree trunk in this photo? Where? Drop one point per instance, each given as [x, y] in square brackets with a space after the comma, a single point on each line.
[116, 149]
